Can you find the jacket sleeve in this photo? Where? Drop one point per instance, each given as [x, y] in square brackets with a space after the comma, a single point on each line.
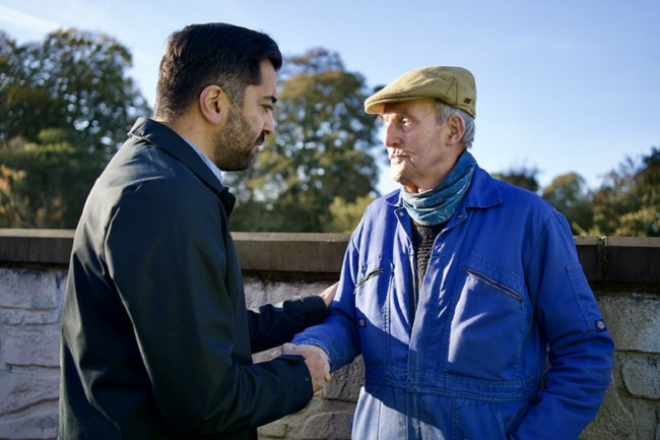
[165, 252]
[580, 349]
[272, 325]
[337, 335]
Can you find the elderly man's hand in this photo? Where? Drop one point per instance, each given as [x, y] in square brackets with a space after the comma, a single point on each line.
[316, 360]
[329, 294]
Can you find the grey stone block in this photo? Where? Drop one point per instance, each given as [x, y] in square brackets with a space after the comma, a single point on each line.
[641, 376]
[346, 382]
[32, 345]
[273, 430]
[25, 388]
[259, 292]
[614, 420]
[293, 424]
[646, 417]
[328, 426]
[40, 422]
[31, 289]
[633, 322]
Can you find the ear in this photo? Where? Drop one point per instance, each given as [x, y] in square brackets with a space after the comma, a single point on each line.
[456, 126]
[213, 104]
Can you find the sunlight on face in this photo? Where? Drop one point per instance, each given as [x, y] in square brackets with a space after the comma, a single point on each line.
[415, 142]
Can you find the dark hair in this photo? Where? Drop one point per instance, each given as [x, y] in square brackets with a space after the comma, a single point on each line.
[212, 53]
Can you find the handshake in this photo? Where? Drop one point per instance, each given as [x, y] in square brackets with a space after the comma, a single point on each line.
[316, 360]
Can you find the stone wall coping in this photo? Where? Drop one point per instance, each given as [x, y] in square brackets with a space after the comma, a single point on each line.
[604, 259]
[35, 246]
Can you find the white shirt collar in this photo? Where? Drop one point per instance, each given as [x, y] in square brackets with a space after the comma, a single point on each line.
[213, 167]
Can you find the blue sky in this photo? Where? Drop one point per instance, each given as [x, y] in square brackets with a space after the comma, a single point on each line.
[562, 85]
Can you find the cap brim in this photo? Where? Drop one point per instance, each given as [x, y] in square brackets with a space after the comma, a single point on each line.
[378, 106]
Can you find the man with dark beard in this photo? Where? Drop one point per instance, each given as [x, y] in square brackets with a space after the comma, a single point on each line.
[156, 338]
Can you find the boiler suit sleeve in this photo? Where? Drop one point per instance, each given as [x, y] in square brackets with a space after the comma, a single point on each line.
[580, 347]
[338, 335]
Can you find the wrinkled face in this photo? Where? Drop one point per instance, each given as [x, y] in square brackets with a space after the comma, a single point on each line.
[416, 144]
[240, 139]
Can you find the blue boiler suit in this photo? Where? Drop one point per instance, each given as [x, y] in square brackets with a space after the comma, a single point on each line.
[503, 300]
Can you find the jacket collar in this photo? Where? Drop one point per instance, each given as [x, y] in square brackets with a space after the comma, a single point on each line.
[167, 139]
[483, 192]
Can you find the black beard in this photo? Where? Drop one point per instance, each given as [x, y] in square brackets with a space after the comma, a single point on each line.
[233, 145]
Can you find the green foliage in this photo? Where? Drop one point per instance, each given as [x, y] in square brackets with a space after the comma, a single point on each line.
[65, 106]
[12, 209]
[322, 150]
[628, 202]
[524, 177]
[569, 194]
[346, 216]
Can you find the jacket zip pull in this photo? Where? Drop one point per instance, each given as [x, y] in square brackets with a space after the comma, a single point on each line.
[369, 276]
[497, 286]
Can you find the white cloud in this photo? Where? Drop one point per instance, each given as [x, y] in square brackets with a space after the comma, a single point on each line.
[26, 21]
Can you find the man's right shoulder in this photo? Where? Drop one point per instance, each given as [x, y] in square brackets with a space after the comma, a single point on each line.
[138, 161]
[140, 168]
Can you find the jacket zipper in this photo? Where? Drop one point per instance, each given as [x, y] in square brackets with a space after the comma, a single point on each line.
[497, 286]
[370, 275]
[414, 269]
[415, 289]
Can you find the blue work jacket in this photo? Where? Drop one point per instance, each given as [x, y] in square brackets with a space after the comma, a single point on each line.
[503, 300]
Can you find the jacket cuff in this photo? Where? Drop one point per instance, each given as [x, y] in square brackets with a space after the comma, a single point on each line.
[302, 379]
[314, 309]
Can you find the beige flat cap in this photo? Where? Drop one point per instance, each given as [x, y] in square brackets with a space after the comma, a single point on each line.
[453, 85]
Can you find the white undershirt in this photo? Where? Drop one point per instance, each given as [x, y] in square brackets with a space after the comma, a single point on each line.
[213, 167]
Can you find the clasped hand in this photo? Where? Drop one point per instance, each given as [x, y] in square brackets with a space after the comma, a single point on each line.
[316, 360]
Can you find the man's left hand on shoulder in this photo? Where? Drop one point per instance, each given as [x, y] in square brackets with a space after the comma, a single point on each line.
[328, 295]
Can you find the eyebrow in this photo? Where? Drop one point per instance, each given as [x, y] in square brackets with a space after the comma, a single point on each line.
[272, 98]
[393, 115]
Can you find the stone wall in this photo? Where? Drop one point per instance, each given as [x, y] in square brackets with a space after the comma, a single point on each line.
[30, 312]
[623, 272]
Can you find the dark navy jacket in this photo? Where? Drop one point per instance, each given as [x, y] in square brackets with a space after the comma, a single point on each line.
[157, 342]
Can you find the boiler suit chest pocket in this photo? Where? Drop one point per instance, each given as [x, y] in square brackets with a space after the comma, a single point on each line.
[372, 291]
[490, 321]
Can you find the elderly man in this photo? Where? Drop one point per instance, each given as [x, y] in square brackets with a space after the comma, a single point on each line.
[156, 339]
[457, 288]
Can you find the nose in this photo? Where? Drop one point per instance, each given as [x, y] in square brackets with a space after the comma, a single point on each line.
[269, 124]
[392, 138]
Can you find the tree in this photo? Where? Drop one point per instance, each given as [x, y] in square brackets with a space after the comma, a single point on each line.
[524, 177]
[12, 209]
[65, 106]
[322, 150]
[346, 216]
[569, 194]
[628, 202]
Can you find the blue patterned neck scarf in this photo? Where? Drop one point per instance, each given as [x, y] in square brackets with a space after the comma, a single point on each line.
[436, 206]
